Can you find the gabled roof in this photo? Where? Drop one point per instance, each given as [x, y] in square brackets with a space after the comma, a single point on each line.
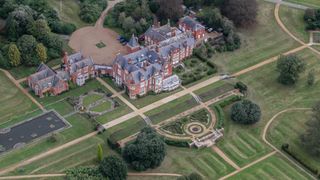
[133, 42]
[192, 23]
[81, 64]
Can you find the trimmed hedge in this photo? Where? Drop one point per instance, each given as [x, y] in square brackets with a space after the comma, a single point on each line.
[314, 170]
[177, 143]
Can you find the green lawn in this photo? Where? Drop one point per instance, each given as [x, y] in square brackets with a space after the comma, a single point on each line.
[70, 11]
[184, 161]
[102, 107]
[214, 90]
[274, 167]
[91, 98]
[141, 102]
[243, 144]
[126, 128]
[62, 107]
[80, 127]
[15, 106]
[119, 111]
[283, 130]
[171, 109]
[259, 43]
[68, 158]
[311, 3]
[293, 19]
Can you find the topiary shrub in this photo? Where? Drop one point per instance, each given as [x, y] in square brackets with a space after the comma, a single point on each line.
[245, 112]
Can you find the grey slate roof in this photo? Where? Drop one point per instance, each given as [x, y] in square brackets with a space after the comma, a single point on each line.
[195, 25]
[161, 33]
[78, 62]
[133, 41]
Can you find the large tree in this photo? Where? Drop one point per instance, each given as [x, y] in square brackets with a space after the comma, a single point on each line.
[41, 52]
[311, 137]
[27, 46]
[14, 55]
[147, 151]
[290, 68]
[242, 12]
[245, 112]
[40, 29]
[114, 168]
[170, 10]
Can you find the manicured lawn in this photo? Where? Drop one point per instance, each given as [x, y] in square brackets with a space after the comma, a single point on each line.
[126, 128]
[14, 105]
[90, 85]
[62, 107]
[68, 158]
[292, 18]
[243, 144]
[259, 43]
[150, 98]
[274, 167]
[112, 84]
[22, 71]
[171, 109]
[70, 11]
[80, 127]
[283, 130]
[184, 161]
[91, 98]
[102, 107]
[119, 111]
[311, 3]
[214, 90]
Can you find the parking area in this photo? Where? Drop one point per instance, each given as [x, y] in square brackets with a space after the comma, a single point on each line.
[23, 133]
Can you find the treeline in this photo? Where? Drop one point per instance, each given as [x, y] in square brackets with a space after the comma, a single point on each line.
[90, 10]
[29, 32]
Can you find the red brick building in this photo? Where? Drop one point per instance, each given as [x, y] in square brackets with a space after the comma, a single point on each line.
[189, 24]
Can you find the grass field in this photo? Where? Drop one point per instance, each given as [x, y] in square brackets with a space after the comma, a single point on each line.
[102, 107]
[311, 3]
[15, 106]
[91, 98]
[150, 98]
[184, 161]
[259, 43]
[80, 127]
[68, 158]
[274, 167]
[119, 111]
[243, 144]
[293, 19]
[126, 128]
[287, 128]
[214, 90]
[171, 109]
[70, 11]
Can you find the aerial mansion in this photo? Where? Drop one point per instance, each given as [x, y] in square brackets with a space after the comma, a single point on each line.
[145, 69]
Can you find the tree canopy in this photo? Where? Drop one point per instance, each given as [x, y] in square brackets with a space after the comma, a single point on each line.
[245, 112]
[113, 168]
[311, 137]
[147, 151]
[170, 10]
[243, 13]
[289, 68]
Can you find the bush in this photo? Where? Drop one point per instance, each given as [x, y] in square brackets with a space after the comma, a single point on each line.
[113, 168]
[84, 173]
[177, 143]
[290, 67]
[241, 86]
[245, 112]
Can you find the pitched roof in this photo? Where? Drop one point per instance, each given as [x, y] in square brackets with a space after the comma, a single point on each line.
[133, 41]
[192, 23]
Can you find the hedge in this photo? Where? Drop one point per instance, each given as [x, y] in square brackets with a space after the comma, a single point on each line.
[177, 143]
[285, 148]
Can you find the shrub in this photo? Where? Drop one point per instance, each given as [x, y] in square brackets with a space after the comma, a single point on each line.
[241, 86]
[83, 173]
[177, 143]
[245, 112]
[290, 67]
[113, 167]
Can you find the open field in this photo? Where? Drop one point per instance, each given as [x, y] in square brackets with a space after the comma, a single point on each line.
[311, 3]
[150, 98]
[214, 90]
[184, 161]
[172, 108]
[274, 167]
[102, 107]
[126, 128]
[261, 42]
[80, 127]
[91, 98]
[293, 19]
[15, 106]
[243, 144]
[287, 128]
[69, 12]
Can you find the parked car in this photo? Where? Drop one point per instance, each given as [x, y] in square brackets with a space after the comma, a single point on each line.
[209, 30]
[124, 43]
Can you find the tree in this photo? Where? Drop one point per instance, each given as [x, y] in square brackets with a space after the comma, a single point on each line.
[170, 10]
[84, 173]
[289, 67]
[100, 153]
[311, 78]
[40, 29]
[14, 55]
[147, 151]
[242, 12]
[27, 46]
[245, 112]
[114, 168]
[310, 139]
[4, 63]
[41, 52]
[128, 24]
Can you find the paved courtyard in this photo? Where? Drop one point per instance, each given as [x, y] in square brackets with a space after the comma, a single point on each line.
[28, 131]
